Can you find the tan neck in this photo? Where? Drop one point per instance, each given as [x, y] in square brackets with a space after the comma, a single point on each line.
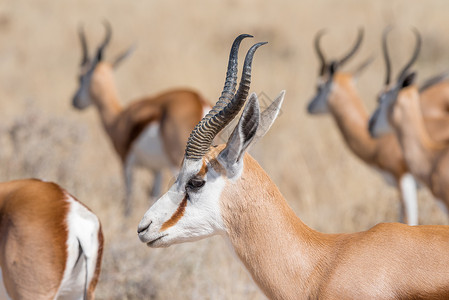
[282, 254]
[351, 117]
[104, 94]
[420, 150]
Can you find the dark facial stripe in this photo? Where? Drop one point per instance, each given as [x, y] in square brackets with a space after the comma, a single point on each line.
[203, 170]
[176, 216]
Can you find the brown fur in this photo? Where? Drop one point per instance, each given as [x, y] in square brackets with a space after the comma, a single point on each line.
[435, 109]
[289, 260]
[352, 120]
[178, 111]
[30, 209]
[176, 216]
[33, 239]
[203, 170]
[95, 278]
[425, 157]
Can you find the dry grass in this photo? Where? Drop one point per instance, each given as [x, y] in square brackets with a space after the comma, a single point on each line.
[187, 45]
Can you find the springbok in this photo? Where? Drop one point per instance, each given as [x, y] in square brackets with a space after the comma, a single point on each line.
[50, 243]
[150, 132]
[223, 190]
[400, 111]
[337, 95]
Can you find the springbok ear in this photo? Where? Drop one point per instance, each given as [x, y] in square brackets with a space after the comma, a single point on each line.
[243, 134]
[268, 116]
[408, 80]
[123, 55]
[363, 66]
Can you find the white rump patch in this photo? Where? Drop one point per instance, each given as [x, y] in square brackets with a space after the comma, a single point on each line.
[83, 227]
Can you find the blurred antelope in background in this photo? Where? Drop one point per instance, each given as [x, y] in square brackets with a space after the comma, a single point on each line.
[337, 95]
[400, 111]
[434, 96]
[51, 245]
[150, 132]
[223, 190]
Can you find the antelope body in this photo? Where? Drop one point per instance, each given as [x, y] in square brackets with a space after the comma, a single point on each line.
[337, 95]
[150, 132]
[50, 244]
[400, 112]
[222, 190]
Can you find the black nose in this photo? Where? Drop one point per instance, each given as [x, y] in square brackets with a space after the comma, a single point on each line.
[143, 228]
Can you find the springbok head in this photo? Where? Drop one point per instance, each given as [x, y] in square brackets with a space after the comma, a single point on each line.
[190, 210]
[90, 65]
[328, 70]
[380, 121]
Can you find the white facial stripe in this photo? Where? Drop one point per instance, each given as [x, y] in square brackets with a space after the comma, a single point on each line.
[174, 218]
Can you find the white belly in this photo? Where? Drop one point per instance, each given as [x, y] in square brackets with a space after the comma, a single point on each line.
[148, 149]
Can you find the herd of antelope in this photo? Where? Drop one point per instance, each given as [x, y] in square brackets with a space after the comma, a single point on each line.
[51, 244]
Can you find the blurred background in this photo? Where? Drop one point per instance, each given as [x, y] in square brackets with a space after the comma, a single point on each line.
[186, 44]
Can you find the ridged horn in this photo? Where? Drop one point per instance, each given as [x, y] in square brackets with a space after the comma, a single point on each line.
[386, 55]
[318, 50]
[83, 41]
[414, 56]
[231, 74]
[354, 49]
[222, 113]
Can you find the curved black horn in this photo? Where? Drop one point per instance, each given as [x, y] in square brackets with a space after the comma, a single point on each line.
[386, 55]
[221, 114]
[318, 50]
[231, 73]
[354, 49]
[414, 56]
[106, 40]
[83, 41]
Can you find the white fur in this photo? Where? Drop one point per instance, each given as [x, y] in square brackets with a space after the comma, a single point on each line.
[83, 227]
[201, 218]
[148, 149]
[206, 110]
[407, 185]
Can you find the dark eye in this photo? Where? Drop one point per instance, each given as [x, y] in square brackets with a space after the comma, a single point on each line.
[195, 183]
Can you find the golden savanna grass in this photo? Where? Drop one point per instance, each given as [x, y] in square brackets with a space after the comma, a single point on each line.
[186, 44]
